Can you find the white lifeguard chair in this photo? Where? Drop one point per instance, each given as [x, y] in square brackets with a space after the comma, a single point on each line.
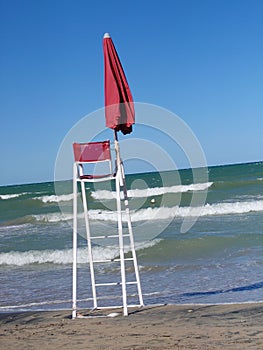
[94, 152]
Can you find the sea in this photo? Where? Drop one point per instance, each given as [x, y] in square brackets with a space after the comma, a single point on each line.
[216, 258]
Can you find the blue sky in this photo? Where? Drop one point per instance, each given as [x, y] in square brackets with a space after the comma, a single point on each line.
[199, 59]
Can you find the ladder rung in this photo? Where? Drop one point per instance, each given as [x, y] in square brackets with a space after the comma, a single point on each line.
[107, 284]
[101, 237]
[103, 261]
[111, 236]
[118, 306]
[125, 259]
[111, 260]
[113, 284]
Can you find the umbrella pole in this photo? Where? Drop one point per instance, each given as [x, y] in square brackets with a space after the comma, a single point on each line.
[119, 183]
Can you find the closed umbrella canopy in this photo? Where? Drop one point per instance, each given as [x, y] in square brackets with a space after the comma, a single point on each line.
[119, 107]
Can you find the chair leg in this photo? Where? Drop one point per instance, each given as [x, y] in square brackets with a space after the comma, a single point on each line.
[75, 243]
[86, 217]
[121, 245]
[132, 245]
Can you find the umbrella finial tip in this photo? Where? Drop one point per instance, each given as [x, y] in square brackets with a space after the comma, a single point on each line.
[106, 35]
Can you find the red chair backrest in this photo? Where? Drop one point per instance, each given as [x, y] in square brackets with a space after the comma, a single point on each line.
[92, 151]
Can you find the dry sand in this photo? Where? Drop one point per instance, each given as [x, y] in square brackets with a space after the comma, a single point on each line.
[164, 327]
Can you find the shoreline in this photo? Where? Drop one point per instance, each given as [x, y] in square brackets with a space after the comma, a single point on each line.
[191, 326]
[15, 309]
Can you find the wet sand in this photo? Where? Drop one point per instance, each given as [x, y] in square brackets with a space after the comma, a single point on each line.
[238, 326]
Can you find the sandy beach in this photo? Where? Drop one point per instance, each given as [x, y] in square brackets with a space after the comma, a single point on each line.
[237, 326]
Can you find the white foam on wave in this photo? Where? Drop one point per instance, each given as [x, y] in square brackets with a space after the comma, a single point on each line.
[55, 198]
[52, 217]
[232, 208]
[177, 211]
[162, 213]
[12, 195]
[154, 191]
[63, 257]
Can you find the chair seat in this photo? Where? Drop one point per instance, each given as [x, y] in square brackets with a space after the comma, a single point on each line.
[92, 153]
[97, 177]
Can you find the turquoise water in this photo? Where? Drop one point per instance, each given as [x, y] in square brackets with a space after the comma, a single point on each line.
[218, 260]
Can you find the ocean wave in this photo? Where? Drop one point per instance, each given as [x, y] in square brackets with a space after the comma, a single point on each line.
[64, 257]
[12, 195]
[104, 194]
[154, 191]
[232, 208]
[236, 183]
[52, 217]
[33, 219]
[163, 213]
[55, 198]
[60, 257]
[156, 213]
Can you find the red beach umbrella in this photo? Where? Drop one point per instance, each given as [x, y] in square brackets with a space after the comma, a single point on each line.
[119, 107]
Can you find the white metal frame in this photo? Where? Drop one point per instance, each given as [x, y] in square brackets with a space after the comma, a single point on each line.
[120, 187]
